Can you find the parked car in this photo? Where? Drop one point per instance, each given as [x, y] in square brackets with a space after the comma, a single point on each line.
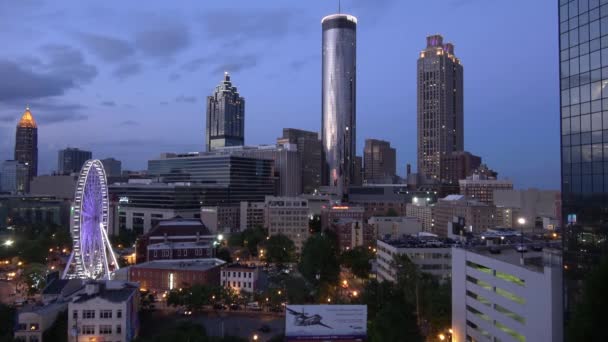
[254, 306]
[235, 307]
[537, 247]
[494, 249]
[521, 248]
[219, 307]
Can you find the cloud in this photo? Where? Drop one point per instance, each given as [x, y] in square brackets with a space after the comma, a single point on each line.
[107, 48]
[302, 62]
[63, 68]
[126, 70]
[188, 99]
[163, 42]
[164, 103]
[236, 26]
[220, 63]
[174, 77]
[129, 123]
[47, 112]
[108, 103]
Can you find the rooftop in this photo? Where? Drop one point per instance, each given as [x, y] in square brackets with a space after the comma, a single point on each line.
[422, 241]
[27, 120]
[533, 260]
[182, 265]
[192, 244]
[112, 291]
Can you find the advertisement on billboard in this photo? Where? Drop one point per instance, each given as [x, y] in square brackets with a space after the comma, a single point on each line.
[326, 322]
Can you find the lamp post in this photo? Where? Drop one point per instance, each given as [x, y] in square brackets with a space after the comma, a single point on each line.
[522, 222]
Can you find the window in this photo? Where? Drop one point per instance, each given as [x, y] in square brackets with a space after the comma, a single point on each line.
[105, 329]
[88, 329]
[21, 326]
[34, 326]
[34, 338]
[88, 313]
[105, 314]
[118, 313]
[166, 253]
[119, 329]
[75, 314]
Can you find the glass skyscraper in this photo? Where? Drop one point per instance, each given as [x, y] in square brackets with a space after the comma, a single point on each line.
[583, 44]
[225, 117]
[339, 93]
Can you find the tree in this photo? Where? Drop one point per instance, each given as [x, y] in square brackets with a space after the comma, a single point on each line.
[57, 331]
[7, 317]
[183, 331]
[279, 249]
[249, 238]
[588, 316]
[314, 224]
[358, 261]
[395, 321]
[392, 212]
[224, 254]
[319, 260]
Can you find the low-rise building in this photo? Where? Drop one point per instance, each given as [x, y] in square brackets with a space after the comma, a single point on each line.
[531, 204]
[431, 255]
[477, 216]
[240, 277]
[288, 216]
[221, 219]
[180, 250]
[353, 233]
[34, 320]
[165, 275]
[58, 186]
[395, 225]
[104, 311]
[481, 188]
[499, 297]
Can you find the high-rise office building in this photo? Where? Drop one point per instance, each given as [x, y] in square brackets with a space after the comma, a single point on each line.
[583, 77]
[71, 160]
[14, 177]
[458, 165]
[358, 173]
[309, 148]
[339, 90]
[112, 166]
[225, 116]
[379, 159]
[26, 145]
[440, 106]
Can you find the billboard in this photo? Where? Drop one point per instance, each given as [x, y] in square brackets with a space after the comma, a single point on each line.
[326, 322]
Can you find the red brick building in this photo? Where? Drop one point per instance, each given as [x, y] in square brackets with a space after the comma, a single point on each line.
[177, 238]
[165, 275]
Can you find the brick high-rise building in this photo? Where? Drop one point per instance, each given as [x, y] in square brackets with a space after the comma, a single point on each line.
[440, 106]
[458, 165]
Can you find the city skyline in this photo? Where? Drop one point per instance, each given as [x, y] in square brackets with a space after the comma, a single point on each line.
[114, 112]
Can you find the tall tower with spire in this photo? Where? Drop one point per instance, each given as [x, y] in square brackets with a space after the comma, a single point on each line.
[225, 117]
[26, 145]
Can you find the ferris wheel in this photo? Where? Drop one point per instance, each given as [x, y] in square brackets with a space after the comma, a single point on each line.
[92, 255]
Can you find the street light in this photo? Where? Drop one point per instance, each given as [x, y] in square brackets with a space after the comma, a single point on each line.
[521, 222]
[9, 242]
[220, 237]
[442, 337]
[255, 337]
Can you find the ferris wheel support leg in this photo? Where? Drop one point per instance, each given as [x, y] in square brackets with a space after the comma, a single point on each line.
[67, 265]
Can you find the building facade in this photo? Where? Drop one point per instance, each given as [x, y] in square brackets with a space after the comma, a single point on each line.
[240, 277]
[105, 311]
[339, 93]
[424, 212]
[253, 215]
[380, 161]
[225, 117]
[432, 257]
[288, 216]
[58, 186]
[440, 106]
[496, 297]
[112, 166]
[309, 148]
[71, 160]
[395, 226]
[26, 146]
[478, 216]
[584, 180]
[14, 177]
[458, 165]
[482, 188]
[166, 275]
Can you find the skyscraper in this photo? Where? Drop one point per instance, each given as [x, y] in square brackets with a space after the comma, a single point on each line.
[26, 145]
[225, 116]
[71, 160]
[380, 161]
[584, 140]
[440, 106]
[112, 166]
[339, 90]
[309, 148]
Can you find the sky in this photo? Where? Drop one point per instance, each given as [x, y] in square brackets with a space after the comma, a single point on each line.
[129, 79]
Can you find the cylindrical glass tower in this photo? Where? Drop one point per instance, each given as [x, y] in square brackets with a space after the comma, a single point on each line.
[339, 100]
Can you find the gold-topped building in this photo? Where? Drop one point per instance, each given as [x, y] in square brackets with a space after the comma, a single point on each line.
[26, 146]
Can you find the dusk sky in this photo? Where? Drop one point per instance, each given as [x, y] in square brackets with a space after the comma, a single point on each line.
[129, 79]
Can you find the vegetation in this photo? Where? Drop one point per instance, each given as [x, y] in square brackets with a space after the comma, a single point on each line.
[32, 242]
[7, 317]
[124, 238]
[392, 212]
[57, 331]
[319, 261]
[588, 316]
[358, 261]
[279, 249]
[197, 296]
[248, 238]
[314, 224]
[224, 254]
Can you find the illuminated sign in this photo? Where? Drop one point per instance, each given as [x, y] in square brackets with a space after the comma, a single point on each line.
[326, 322]
[123, 199]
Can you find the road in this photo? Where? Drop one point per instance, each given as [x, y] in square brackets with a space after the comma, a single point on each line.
[235, 324]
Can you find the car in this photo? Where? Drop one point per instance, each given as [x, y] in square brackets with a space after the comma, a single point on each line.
[264, 328]
[494, 249]
[186, 312]
[537, 247]
[235, 307]
[521, 248]
[219, 307]
[276, 309]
